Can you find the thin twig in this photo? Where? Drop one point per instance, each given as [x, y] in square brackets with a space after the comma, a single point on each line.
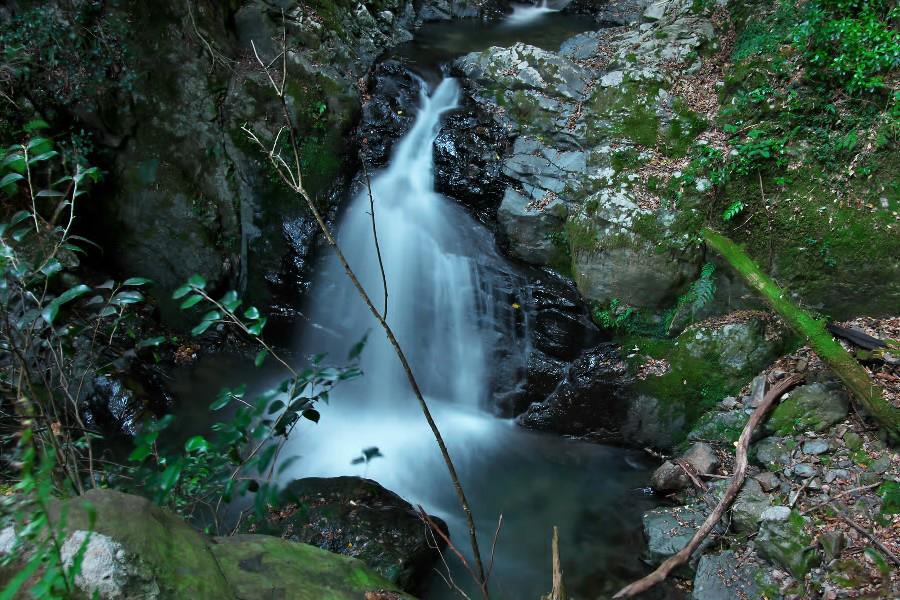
[866, 533]
[375, 236]
[295, 182]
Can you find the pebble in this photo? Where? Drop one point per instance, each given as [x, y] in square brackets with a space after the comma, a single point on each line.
[768, 481]
[729, 403]
[776, 513]
[804, 470]
[817, 446]
[832, 474]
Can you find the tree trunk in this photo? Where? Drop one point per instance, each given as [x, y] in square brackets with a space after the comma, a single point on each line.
[864, 391]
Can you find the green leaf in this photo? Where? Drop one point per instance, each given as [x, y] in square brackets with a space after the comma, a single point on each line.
[50, 311]
[170, 477]
[251, 313]
[19, 217]
[197, 281]
[18, 580]
[127, 297]
[49, 194]
[140, 453]
[256, 328]
[358, 347]
[35, 125]
[276, 406]
[181, 292]
[197, 443]
[151, 342]
[136, 281]
[230, 300]
[40, 143]
[260, 357]
[265, 458]
[108, 311]
[9, 179]
[312, 414]
[43, 157]
[14, 162]
[201, 327]
[191, 301]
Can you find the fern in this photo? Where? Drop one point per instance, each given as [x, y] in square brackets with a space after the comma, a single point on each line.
[733, 210]
[697, 297]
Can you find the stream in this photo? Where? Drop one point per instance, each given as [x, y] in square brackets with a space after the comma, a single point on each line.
[450, 306]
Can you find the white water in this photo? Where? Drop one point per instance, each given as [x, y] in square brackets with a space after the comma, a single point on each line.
[450, 305]
[524, 14]
[440, 268]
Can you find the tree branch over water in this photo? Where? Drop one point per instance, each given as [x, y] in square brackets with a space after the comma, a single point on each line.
[291, 174]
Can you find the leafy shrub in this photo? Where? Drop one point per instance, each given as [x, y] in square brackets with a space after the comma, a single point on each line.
[850, 43]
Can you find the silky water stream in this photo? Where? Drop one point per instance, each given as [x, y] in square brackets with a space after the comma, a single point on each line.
[449, 304]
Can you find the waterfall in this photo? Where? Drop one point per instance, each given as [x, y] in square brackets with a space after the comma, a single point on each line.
[524, 14]
[448, 307]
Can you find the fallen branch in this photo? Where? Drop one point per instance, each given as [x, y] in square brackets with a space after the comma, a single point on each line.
[863, 390]
[866, 533]
[737, 481]
[691, 472]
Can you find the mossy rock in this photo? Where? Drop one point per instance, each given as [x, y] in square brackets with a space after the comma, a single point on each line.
[260, 566]
[786, 544]
[812, 407]
[139, 546]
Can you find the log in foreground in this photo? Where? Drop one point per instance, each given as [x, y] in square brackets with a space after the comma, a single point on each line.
[865, 393]
[737, 481]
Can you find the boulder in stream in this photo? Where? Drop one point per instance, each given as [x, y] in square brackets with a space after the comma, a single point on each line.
[359, 518]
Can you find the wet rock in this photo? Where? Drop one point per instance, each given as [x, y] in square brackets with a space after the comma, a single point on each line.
[111, 407]
[650, 422]
[671, 477]
[787, 545]
[722, 576]
[563, 334]
[812, 407]
[393, 94]
[747, 510]
[589, 402]
[543, 374]
[358, 518]
[816, 446]
[468, 163]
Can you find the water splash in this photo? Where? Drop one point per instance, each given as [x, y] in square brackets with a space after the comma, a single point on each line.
[525, 14]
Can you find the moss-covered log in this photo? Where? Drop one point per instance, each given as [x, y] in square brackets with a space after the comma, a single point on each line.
[864, 391]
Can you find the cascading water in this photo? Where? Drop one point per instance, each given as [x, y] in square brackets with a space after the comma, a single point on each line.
[440, 268]
[453, 304]
[524, 14]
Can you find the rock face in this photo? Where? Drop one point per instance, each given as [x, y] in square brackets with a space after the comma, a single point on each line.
[136, 550]
[359, 518]
[572, 202]
[668, 530]
[187, 192]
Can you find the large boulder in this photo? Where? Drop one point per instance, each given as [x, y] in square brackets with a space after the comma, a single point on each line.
[589, 402]
[671, 477]
[359, 518]
[134, 549]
